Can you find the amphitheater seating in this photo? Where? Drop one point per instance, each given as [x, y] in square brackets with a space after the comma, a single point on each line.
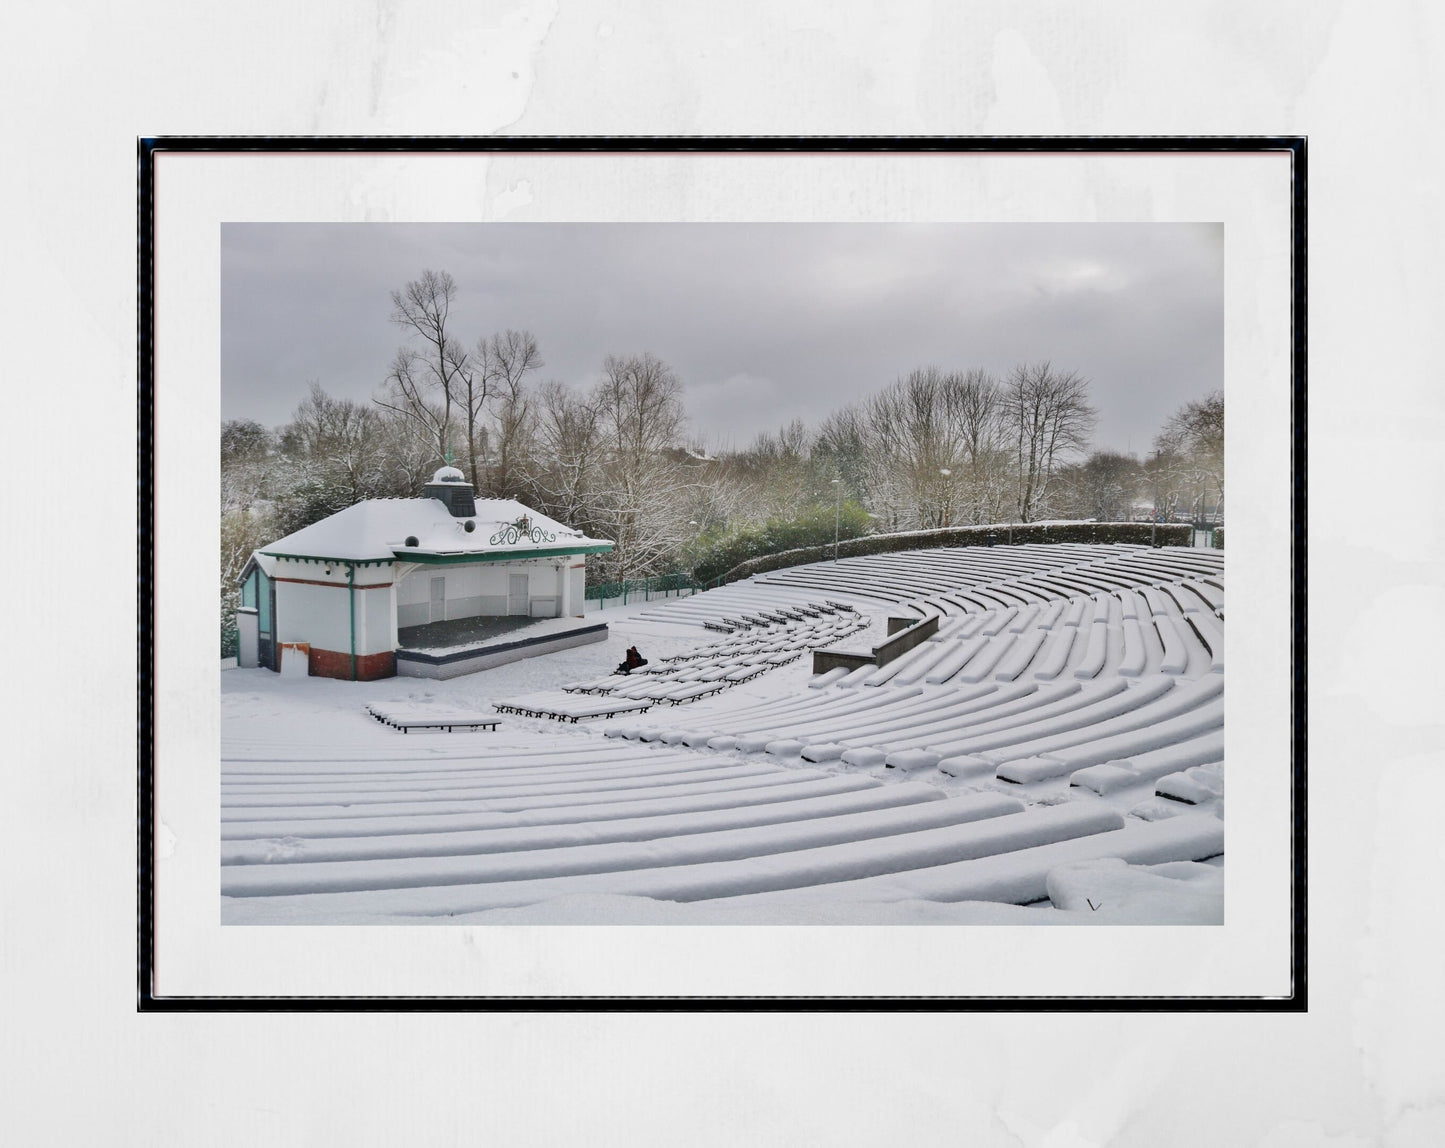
[1069, 707]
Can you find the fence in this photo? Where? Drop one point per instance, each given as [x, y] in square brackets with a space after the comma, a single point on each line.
[659, 586]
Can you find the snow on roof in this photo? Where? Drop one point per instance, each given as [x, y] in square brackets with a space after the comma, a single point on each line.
[449, 474]
[380, 527]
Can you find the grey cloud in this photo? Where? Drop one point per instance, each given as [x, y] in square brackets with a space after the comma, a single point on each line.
[763, 322]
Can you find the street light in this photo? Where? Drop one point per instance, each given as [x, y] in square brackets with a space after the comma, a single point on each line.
[837, 496]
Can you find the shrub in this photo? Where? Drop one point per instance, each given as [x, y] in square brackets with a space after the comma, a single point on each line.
[715, 554]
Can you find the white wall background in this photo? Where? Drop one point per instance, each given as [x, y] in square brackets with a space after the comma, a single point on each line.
[81, 80]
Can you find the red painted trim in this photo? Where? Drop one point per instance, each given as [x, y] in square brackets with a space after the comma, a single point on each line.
[337, 664]
[335, 585]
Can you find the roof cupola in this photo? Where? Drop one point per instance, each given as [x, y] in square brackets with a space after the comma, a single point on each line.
[450, 487]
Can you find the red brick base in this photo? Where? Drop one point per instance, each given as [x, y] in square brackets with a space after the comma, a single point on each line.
[369, 667]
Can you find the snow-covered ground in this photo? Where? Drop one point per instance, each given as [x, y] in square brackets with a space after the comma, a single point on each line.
[1053, 755]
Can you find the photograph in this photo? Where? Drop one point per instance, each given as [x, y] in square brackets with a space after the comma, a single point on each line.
[722, 573]
[828, 543]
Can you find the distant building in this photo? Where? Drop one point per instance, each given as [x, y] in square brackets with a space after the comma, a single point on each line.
[341, 589]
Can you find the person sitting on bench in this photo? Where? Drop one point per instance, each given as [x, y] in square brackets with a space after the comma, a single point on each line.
[631, 662]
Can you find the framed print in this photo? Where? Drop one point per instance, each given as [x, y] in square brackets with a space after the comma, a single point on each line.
[722, 573]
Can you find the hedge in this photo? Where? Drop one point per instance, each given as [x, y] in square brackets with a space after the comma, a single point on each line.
[1135, 533]
[713, 556]
[1219, 538]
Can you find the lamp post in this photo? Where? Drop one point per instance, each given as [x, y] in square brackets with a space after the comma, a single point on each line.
[1154, 517]
[945, 472]
[696, 531]
[837, 503]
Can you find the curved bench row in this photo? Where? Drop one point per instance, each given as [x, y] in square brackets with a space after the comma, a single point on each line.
[949, 580]
[529, 825]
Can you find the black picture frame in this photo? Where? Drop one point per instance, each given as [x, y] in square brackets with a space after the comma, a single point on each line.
[150, 148]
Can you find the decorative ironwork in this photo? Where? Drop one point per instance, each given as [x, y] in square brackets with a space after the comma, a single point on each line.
[514, 532]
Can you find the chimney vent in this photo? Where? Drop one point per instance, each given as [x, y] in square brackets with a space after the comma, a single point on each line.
[450, 487]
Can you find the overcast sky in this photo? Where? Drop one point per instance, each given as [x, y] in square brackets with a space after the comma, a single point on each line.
[762, 322]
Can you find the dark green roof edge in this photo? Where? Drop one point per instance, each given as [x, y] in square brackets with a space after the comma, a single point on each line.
[321, 558]
[508, 556]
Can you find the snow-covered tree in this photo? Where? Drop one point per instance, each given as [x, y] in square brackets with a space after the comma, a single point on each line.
[1103, 487]
[1190, 450]
[642, 493]
[1050, 418]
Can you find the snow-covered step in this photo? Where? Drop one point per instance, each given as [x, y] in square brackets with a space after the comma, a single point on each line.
[451, 843]
[864, 722]
[794, 868]
[1095, 650]
[479, 782]
[1196, 786]
[954, 661]
[302, 807]
[1020, 877]
[1199, 705]
[662, 851]
[1058, 762]
[1098, 701]
[778, 787]
[1050, 662]
[1018, 659]
[743, 776]
[1118, 773]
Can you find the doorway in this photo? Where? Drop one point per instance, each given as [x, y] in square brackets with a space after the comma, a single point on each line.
[517, 594]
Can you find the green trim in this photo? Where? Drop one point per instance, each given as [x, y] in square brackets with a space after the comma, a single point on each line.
[330, 561]
[351, 605]
[509, 556]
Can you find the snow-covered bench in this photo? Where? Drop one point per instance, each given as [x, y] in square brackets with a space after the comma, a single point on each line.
[570, 707]
[408, 718]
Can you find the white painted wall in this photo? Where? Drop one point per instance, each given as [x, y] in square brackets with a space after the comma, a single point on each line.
[321, 615]
[373, 615]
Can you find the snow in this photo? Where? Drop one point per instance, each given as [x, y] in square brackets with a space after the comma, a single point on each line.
[995, 794]
[377, 529]
[1174, 893]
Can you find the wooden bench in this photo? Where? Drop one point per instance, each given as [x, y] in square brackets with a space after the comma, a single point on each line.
[408, 720]
[567, 708]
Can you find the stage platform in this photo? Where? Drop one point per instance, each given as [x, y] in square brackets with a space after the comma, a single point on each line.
[466, 645]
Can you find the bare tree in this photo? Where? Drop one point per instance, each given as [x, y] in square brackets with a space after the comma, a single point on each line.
[427, 385]
[507, 359]
[976, 412]
[1051, 419]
